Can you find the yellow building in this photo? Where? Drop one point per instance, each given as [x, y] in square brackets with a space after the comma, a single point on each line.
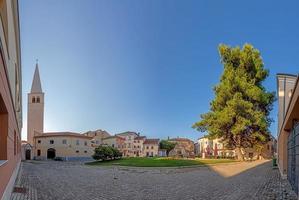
[151, 147]
[115, 141]
[65, 145]
[62, 145]
[97, 136]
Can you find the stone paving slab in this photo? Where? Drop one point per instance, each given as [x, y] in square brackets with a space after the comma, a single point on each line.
[47, 180]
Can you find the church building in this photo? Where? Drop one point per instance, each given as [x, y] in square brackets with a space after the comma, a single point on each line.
[52, 145]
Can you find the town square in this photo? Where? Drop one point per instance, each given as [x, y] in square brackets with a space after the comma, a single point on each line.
[142, 100]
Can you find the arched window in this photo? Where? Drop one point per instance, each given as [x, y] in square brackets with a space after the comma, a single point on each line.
[37, 100]
[33, 99]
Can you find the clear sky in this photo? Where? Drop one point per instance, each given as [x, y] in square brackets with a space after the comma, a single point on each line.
[145, 66]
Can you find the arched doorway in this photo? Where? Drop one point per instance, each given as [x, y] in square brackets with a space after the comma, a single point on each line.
[28, 154]
[51, 153]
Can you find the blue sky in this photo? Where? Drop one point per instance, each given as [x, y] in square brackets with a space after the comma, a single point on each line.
[145, 66]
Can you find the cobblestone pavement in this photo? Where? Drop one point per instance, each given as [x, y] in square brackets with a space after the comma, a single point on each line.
[47, 180]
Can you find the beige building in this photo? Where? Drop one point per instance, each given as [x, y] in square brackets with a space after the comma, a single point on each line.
[27, 148]
[115, 141]
[129, 136]
[97, 136]
[10, 96]
[288, 127]
[183, 148]
[138, 146]
[62, 145]
[151, 147]
[65, 145]
[213, 147]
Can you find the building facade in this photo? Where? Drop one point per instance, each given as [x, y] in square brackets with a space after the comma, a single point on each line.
[183, 148]
[115, 141]
[288, 128]
[217, 148]
[213, 148]
[151, 147]
[10, 96]
[138, 146]
[129, 136]
[97, 136]
[54, 145]
[67, 146]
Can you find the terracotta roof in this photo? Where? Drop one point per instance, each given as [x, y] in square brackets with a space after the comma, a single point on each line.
[151, 141]
[139, 137]
[114, 136]
[59, 134]
[127, 133]
[180, 139]
[97, 132]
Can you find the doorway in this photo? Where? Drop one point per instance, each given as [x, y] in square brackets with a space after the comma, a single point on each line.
[51, 153]
[28, 154]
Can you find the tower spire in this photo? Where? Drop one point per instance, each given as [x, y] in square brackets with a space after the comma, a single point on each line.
[36, 84]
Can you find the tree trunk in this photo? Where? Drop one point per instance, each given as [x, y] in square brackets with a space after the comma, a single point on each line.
[239, 154]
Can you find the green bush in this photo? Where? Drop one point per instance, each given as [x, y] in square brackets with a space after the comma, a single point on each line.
[106, 153]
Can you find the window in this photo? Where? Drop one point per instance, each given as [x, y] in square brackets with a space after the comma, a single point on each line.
[85, 151]
[134, 146]
[77, 142]
[51, 141]
[147, 154]
[18, 145]
[138, 146]
[38, 141]
[77, 151]
[268, 146]
[15, 143]
[85, 143]
[33, 99]
[147, 147]
[112, 145]
[17, 90]
[38, 152]
[64, 141]
[37, 100]
[152, 147]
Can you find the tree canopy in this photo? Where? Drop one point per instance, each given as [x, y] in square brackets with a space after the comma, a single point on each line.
[106, 153]
[239, 113]
[167, 145]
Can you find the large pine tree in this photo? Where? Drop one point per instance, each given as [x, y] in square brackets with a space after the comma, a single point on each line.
[239, 114]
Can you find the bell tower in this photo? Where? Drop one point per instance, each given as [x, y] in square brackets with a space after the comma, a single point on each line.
[35, 114]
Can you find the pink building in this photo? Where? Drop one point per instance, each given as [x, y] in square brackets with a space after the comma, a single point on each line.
[10, 96]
